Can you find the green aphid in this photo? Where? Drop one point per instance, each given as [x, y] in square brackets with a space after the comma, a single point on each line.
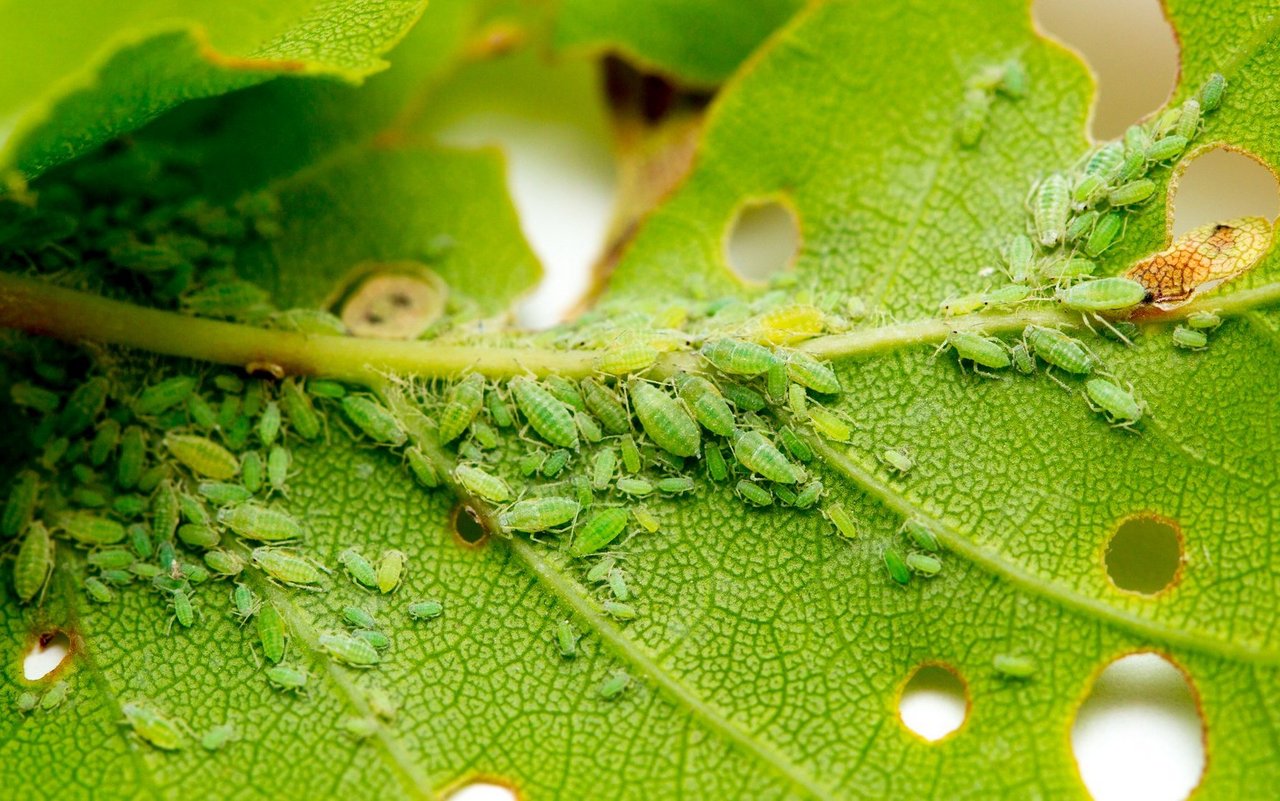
[538, 514]
[1087, 190]
[422, 468]
[829, 424]
[743, 398]
[626, 357]
[600, 570]
[96, 589]
[785, 494]
[566, 392]
[359, 728]
[675, 485]
[166, 556]
[244, 602]
[482, 484]
[377, 639]
[272, 632]
[582, 491]
[618, 610]
[841, 519]
[922, 564]
[255, 522]
[1119, 405]
[54, 697]
[236, 435]
[1120, 331]
[1188, 121]
[809, 495]
[464, 404]
[1059, 350]
[310, 321]
[1132, 193]
[358, 618]
[556, 461]
[202, 456]
[224, 563]
[753, 493]
[797, 400]
[83, 406]
[467, 451]
[775, 382]
[349, 650]
[278, 461]
[897, 459]
[707, 404]
[1014, 666]
[251, 472]
[1050, 209]
[971, 117]
[286, 567]
[1082, 224]
[117, 577]
[921, 535]
[323, 388]
[499, 412]
[222, 493]
[1017, 254]
[230, 298]
[614, 685]
[425, 610]
[166, 507]
[755, 452]
[635, 487]
[1190, 338]
[390, 569]
[979, 350]
[717, 468]
[228, 411]
[897, 567]
[812, 373]
[665, 419]
[599, 531]
[588, 427]
[269, 422]
[1006, 295]
[105, 440]
[531, 462]
[218, 737]
[20, 506]
[1203, 321]
[151, 477]
[183, 611]
[109, 558]
[566, 640]
[630, 454]
[153, 727]
[88, 497]
[195, 573]
[128, 506]
[617, 582]
[163, 396]
[286, 678]
[547, 415]
[606, 406]
[1167, 148]
[1211, 93]
[603, 467]
[381, 704]
[133, 451]
[90, 529]
[27, 702]
[53, 452]
[83, 474]
[373, 419]
[738, 357]
[1103, 294]
[1064, 271]
[797, 447]
[360, 569]
[299, 410]
[228, 382]
[646, 519]
[33, 397]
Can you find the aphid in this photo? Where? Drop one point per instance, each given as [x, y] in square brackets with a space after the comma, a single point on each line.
[244, 602]
[53, 452]
[602, 468]
[26, 702]
[744, 398]
[797, 400]
[133, 446]
[588, 427]
[425, 610]
[217, 738]
[1166, 148]
[311, 321]
[1050, 209]
[717, 468]
[1018, 253]
[33, 397]
[1006, 295]
[1014, 81]
[738, 357]
[228, 411]
[269, 423]
[971, 118]
[165, 512]
[224, 563]
[1085, 192]
[600, 570]
[286, 678]
[286, 567]
[981, 351]
[897, 567]
[1203, 321]
[566, 639]
[630, 454]
[1023, 361]
[326, 389]
[98, 591]
[1190, 338]
[183, 611]
[349, 650]
[646, 519]
[1059, 350]
[606, 406]
[221, 493]
[55, 696]
[499, 413]
[390, 569]
[83, 406]
[615, 685]
[1188, 121]
[556, 461]
[675, 485]
[201, 455]
[381, 704]
[753, 493]
[1212, 91]
[194, 573]
[618, 585]
[226, 298]
[809, 494]
[165, 556]
[795, 446]
[531, 462]
[637, 487]
[582, 490]
[829, 424]
[110, 558]
[118, 577]
[1202, 259]
[566, 392]
[278, 460]
[377, 639]
[358, 567]
[422, 468]
[272, 632]
[706, 403]
[105, 439]
[153, 727]
[297, 406]
[163, 396]
[1131, 193]
[89, 529]
[1082, 224]
[809, 372]
[1119, 405]
[841, 519]
[1120, 331]
[374, 420]
[360, 728]
[1103, 294]
[755, 452]
[1104, 234]
[151, 477]
[923, 564]
[20, 506]
[251, 469]
[618, 610]
[538, 514]
[1065, 270]
[1014, 666]
[201, 413]
[88, 497]
[465, 401]
[664, 419]
[626, 357]
[547, 415]
[775, 381]
[897, 459]
[483, 484]
[921, 535]
[251, 521]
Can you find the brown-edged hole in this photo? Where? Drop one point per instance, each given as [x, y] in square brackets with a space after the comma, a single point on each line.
[45, 655]
[483, 791]
[1223, 185]
[934, 702]
[1129, 46]
[763, 239]
[1139, 733]
[1145, 554]
[467, 527]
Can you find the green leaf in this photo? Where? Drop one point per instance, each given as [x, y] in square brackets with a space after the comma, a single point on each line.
[79, 74]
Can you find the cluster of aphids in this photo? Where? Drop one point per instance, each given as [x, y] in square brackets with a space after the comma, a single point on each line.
[1074, 218]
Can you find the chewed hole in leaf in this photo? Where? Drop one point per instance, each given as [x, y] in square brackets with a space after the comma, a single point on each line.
[1145, 554]
[1130, 48]
[934, 702]
[1223, 185]
[763, 239]
[49, 651]
[467, 528]
[1139, 733]
[393, 301]
[483, 791]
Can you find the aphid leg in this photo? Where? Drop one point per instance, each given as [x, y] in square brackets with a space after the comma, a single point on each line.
[1127, 342]
[1049, 372]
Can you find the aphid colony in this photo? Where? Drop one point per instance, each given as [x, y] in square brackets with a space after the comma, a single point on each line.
[1073, 218]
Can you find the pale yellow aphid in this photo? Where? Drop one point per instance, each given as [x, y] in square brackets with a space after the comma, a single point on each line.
[1202, 259]
[786, 325]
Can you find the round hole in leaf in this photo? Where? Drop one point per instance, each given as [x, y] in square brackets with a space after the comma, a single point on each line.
[934, 702]
[48, 652]
[483, 791]
[763, 240]
[390, 300]
[1145, 554]
[1139, 733]
[1223, 185]
[467, 527]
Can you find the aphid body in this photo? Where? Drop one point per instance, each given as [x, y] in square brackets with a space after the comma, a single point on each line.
[538, 514]
[1119, 405]
[254, 522]
[546, 414]
[664, 419]
[1103, 294]
[755, 452]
